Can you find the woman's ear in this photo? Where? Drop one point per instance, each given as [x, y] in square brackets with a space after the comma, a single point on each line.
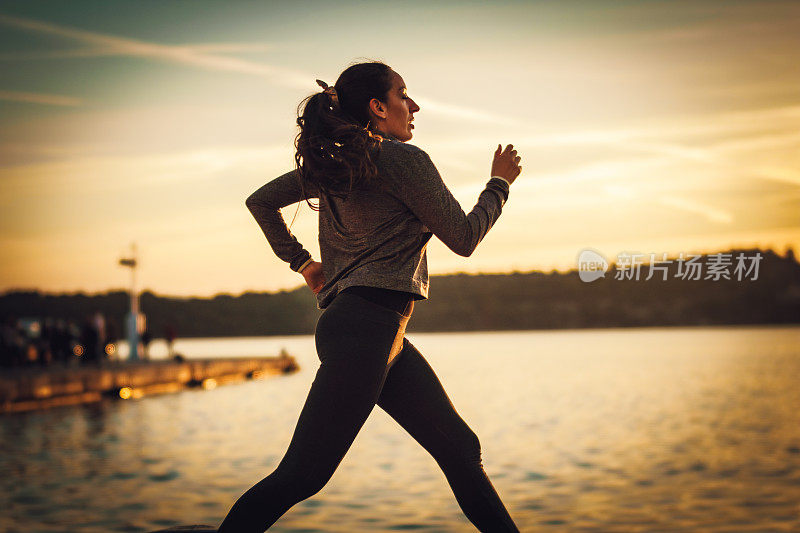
[377, 108]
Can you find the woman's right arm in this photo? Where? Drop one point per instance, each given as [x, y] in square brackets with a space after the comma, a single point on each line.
[265, 205]
[422, 189]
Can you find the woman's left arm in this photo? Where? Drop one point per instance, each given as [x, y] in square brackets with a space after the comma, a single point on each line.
[265, 205]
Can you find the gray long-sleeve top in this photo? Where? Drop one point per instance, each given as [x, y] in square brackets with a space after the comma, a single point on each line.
[378, 236]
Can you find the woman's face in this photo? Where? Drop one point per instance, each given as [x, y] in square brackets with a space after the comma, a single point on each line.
[394, 116]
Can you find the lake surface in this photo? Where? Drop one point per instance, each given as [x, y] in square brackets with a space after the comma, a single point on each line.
[662, 429]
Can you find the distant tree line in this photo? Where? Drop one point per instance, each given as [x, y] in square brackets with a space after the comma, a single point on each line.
[470, 302]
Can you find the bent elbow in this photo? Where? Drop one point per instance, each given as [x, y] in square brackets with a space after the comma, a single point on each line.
[251, 202]
[464, 250]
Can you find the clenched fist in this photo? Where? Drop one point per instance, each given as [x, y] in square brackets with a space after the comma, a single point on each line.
[506, 163]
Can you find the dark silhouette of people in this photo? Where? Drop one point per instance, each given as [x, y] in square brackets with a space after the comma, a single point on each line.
[170, 334]
[93, 339]
[12, 343]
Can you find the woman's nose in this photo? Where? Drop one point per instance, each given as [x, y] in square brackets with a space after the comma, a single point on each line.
[414, 106]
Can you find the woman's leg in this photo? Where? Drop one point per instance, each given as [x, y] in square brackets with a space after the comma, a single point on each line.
[414, 397]
[354, 348]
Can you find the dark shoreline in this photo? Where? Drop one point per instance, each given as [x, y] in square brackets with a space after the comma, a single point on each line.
[467, 302]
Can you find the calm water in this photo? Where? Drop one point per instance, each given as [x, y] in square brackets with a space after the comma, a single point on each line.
[694, 429]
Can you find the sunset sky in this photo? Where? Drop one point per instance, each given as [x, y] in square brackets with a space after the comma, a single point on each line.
[643, 126]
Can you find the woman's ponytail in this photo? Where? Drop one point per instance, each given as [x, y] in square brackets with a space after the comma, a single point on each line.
[335, 150]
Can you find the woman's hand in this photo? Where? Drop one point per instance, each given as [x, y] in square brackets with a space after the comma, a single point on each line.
[506, 163]
[314, 277]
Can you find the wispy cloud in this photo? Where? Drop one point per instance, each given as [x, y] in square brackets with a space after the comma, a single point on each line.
[775, 28]
[40, 98]
[203, 56]
[713, 214]
[693, 206]
[712, 139]
[207, 48]
[136, 172]
[475, 115]
[187, 55]
[230, 48]
[747, 124]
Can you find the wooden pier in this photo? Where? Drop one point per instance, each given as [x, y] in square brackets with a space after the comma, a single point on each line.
[26, 389]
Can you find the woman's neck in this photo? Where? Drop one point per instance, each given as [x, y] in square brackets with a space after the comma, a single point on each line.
[380, 132]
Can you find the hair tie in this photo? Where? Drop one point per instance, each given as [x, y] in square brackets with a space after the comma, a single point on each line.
[330, 91]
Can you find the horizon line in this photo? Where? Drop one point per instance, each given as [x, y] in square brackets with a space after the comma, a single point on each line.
[789, 251]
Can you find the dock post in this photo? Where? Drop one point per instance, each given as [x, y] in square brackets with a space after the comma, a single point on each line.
[132, 318]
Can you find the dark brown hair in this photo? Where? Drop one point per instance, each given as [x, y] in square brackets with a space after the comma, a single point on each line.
[335, 149]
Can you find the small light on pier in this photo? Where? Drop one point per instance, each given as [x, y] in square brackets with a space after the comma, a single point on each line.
[209, 383]
[110, 348]
[126, 393]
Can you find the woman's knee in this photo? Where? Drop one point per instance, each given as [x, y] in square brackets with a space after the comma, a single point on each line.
[463, 447]
[471, 447]
[301, 484]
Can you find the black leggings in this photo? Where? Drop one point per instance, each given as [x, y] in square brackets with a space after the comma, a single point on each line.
[367, 360]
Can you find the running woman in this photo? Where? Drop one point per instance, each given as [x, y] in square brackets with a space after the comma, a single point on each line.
[380, 200]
